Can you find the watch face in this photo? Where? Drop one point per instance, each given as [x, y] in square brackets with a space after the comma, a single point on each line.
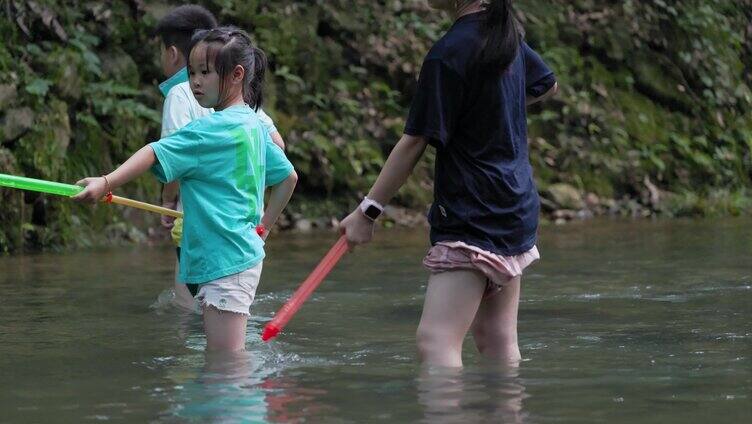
[372, 212]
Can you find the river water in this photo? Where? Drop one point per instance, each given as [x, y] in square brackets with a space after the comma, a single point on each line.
[620, 322]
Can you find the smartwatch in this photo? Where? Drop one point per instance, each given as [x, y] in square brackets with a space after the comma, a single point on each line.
[371, 208]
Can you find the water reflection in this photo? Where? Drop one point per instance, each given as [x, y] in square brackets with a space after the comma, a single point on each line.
[486, 394]
[226, 390]
[240, 387]
[289, 403]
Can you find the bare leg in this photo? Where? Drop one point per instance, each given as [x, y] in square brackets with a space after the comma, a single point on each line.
[225, 331]
[495, 326]
[452, 300]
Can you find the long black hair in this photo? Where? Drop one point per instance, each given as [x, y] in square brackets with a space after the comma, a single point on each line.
[231, 46]
[502, 36]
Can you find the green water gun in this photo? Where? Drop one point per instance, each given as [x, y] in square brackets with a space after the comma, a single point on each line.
[69, 190]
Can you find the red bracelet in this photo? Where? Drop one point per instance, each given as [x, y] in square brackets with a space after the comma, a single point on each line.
[260, 230]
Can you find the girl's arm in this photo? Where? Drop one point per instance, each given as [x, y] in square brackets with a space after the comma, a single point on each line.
[398, 167]
[551, 92]
[279, 196]
[97, 187]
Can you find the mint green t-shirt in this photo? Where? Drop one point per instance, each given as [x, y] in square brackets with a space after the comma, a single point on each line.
[223, 162]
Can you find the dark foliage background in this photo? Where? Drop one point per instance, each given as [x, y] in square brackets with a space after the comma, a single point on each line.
[654, 115]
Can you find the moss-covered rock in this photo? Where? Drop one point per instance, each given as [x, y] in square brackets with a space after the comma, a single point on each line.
[8, 94]
[16, 122]
[565, 196]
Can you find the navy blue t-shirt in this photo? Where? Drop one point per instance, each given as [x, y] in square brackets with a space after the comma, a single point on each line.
[484, 193]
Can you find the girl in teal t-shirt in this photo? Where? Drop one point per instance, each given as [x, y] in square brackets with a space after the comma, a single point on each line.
[223, 163]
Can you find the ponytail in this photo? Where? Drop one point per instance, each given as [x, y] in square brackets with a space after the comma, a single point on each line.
[502, 37]
[254, 92]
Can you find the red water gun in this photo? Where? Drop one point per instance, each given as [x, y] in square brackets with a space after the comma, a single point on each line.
[285, 314]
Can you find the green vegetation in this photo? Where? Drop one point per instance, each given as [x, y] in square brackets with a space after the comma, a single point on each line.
[655, 108]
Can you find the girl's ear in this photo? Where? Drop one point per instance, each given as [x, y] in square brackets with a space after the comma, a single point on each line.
[238, 73]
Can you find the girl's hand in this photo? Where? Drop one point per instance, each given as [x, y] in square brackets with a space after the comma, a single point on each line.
[166, 220]
[357, 228]
[95, 190]
[262, 231]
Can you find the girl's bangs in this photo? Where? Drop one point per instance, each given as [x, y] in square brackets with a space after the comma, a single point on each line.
[213, 50]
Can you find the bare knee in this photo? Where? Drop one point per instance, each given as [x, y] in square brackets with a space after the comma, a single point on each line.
[427, 338]
[434, 342]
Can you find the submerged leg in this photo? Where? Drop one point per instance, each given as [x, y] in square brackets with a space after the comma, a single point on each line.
[495, 326]
[452, 299]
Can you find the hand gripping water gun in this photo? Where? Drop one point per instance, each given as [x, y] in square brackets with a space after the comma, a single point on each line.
[68, 190]
[285, 314]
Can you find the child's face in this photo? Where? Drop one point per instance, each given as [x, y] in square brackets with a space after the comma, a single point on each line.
[203, 77]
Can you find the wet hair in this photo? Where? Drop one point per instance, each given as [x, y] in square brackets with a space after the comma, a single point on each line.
[178, 26]
[228, 47]
[502, 36]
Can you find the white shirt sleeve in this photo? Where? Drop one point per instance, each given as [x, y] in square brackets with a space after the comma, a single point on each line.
[176, 112]
[266, 121]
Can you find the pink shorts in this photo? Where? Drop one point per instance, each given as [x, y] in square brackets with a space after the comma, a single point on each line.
[455, 255]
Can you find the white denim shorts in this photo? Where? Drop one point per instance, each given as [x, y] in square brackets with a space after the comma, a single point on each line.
[233, 293]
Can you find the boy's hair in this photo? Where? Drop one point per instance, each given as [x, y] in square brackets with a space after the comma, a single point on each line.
[178, 26]
[230, 46]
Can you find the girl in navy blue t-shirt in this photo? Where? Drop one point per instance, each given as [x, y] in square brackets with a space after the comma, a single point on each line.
[470, 105]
